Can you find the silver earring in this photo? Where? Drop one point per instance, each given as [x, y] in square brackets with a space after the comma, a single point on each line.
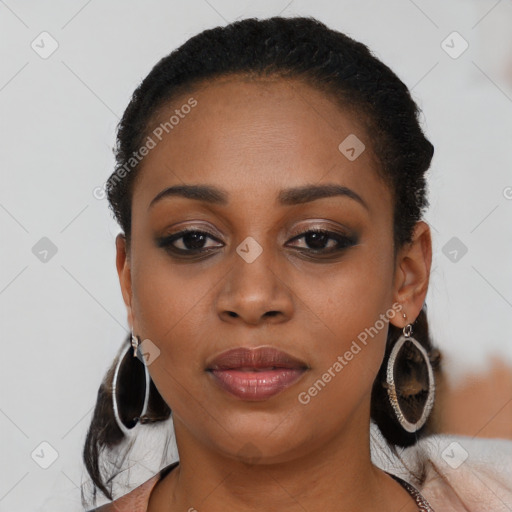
[135, 342]
[391, 388]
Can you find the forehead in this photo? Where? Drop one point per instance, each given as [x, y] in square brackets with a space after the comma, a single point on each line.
[259, 134]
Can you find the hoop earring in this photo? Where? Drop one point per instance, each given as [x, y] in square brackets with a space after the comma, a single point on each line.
[391, 388]
[135, 342]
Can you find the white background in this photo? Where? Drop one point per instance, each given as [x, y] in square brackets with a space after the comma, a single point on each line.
[63, 321]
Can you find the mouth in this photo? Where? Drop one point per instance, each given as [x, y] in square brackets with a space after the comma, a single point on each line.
[255, 374]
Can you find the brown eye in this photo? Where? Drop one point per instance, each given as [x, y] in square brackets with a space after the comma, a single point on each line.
[318, 240]
[324, 241]
[188, 241]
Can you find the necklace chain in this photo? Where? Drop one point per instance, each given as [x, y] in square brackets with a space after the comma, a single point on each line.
[423, 504]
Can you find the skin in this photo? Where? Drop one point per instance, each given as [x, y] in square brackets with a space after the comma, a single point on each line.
[253, 138]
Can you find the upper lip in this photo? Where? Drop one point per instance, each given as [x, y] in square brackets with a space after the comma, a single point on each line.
[255, 358]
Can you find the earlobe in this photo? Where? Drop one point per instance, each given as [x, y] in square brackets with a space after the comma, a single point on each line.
[414, 261]
[124, 273]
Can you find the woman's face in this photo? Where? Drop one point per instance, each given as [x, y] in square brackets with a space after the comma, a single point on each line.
[268, 148]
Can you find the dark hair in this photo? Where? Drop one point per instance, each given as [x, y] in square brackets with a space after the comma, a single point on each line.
[299, 48]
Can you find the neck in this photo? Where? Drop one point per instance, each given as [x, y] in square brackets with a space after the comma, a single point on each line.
[339, 476]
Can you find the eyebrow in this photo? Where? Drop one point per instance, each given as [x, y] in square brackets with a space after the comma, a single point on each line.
[286, 197]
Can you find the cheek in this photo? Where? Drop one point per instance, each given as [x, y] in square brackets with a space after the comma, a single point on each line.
[350, 321]
[171, 319]
[166, 293]
[171, 307]
[352, 296]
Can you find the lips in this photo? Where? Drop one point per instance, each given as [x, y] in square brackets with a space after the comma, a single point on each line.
[255, 374]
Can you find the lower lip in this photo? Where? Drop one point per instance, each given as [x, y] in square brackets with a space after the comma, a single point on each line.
[253, 385]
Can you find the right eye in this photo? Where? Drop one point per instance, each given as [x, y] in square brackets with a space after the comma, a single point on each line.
[188, 241]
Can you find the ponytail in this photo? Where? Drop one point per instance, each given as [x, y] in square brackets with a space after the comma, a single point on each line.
[104, 434]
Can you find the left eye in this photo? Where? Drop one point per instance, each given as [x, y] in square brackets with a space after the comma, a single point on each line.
[321, 240]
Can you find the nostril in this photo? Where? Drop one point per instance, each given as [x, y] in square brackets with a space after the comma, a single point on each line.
[232, 313]
[272, 313]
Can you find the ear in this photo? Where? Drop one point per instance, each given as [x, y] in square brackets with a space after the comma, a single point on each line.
[124, 273]
[412, 273]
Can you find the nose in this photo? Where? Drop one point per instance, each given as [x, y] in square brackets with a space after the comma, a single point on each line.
[255, 292]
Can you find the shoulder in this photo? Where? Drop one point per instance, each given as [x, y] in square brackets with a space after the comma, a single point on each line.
[464, 473]
[136, 500]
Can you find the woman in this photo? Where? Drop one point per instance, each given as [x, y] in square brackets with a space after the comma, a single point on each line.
[270, 186]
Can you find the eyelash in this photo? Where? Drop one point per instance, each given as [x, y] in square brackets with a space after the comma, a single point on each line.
[343, 242]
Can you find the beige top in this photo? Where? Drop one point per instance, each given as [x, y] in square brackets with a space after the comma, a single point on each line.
[461, 474]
